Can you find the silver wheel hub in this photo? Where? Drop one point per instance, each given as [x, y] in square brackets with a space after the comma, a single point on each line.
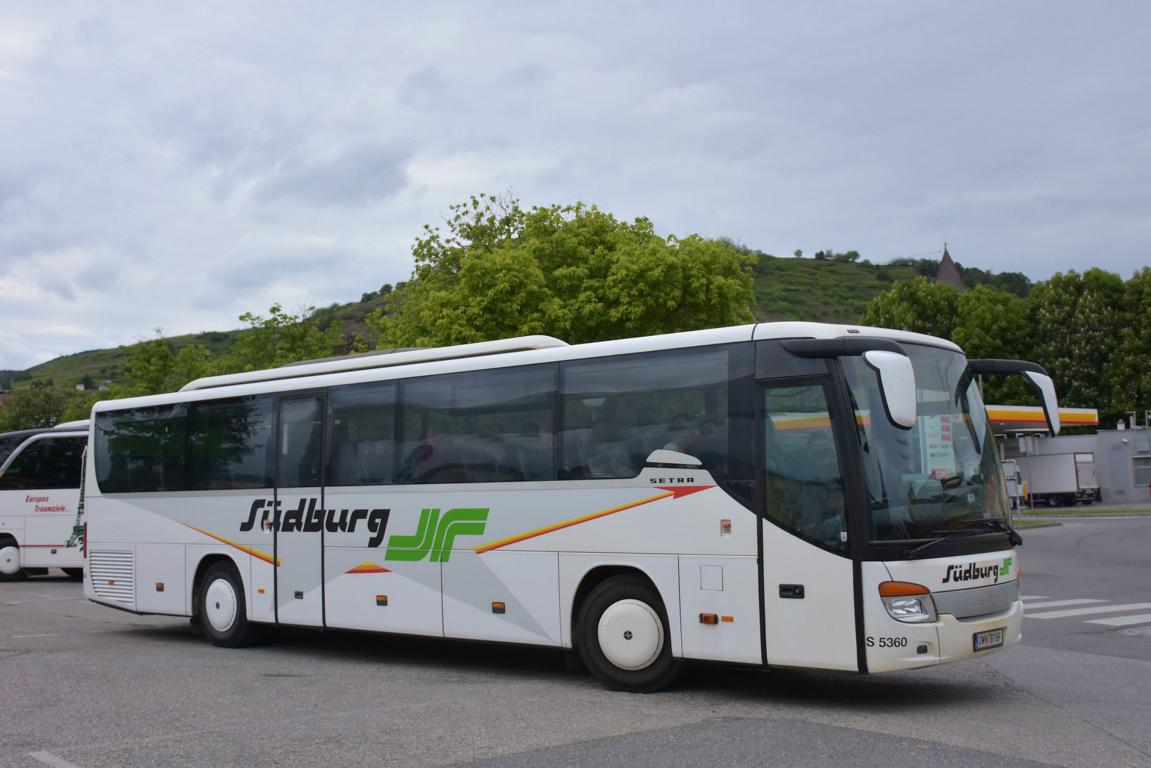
[630, 634]
[9, 559]
[220, 605]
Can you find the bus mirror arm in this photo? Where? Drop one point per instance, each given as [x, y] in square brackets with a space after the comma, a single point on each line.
[886, 357]
[1033, 373]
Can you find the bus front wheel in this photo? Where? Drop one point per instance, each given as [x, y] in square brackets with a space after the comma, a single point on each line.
[222, 614]
[624, 638]
[10, 568]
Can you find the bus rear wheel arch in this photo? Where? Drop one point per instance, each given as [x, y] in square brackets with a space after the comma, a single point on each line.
[220, 606]
[623, 636]
[10, 568]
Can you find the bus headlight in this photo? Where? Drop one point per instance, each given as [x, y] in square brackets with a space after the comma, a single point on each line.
[907, 602]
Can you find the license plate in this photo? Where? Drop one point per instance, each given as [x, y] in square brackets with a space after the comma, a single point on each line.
[992, 638]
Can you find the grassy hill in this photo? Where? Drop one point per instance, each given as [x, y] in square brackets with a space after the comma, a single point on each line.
[821, 290]
[107, 364]
[102, 365]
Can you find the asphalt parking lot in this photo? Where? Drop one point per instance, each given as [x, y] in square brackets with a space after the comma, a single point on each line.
[89, 686]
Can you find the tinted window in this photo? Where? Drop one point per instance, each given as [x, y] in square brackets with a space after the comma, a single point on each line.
[141, 450]
[483, 426]
[229, 444]
[363, 421]
[618, 410]
[46, 464]
[10, 442]
[804, 485]
[301, 442]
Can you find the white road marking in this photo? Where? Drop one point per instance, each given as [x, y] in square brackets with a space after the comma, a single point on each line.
[1123, 621]
[47, 758]
[1033, 597]
[26, 637]
[1059, 603]
[1088, 611]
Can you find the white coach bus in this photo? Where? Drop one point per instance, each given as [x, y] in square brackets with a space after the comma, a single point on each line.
[40, 525]
[780, 495]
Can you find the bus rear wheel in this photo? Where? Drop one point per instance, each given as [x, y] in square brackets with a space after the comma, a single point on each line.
[10, 568]
[222, 614]
[624, 638]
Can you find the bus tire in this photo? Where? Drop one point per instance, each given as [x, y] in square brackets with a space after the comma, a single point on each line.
[222, 614]
[74, 573]
[10, 569]
[624, 638]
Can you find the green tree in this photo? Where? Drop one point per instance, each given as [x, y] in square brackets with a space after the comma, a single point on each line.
[157, 366]
[993, 323]
[919, 305]
[43, 406]
[1129, 370]
[576, 272]
[1077, 322]
[280, 338]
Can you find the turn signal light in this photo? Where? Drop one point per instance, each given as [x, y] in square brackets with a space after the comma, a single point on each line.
[708, 618]
[381, 600]
[498, 607]
[901, 589]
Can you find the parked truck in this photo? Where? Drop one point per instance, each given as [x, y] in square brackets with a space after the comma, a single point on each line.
[1060, 479]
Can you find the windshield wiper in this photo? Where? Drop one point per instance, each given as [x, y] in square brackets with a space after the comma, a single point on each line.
[978, 528]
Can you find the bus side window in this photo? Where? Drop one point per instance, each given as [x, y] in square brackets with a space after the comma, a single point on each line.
[52, 463]
[363, 419]
[617, 410]
[231, 440]
[803, 480]
[479, 426]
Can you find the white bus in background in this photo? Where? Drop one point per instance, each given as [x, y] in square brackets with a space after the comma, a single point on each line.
[40, 524]
[777, 495]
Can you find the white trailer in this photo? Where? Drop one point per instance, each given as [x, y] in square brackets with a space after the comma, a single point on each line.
[1060, 479]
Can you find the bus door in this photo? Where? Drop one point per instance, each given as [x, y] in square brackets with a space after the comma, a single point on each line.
[299, 536]
[808, 573]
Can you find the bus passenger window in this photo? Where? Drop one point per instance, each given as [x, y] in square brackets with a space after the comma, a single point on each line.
[617, 410]
[230, 442]
[45, 464]
[363, 418]
[490, 426]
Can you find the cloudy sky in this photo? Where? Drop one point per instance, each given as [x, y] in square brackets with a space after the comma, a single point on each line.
[172, 166]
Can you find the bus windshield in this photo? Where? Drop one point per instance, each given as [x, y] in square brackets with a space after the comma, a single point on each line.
[941, 475]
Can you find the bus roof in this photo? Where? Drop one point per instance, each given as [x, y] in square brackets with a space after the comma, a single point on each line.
[503, 353]
[379, 360]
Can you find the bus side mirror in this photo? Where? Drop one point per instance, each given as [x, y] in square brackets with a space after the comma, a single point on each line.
[1035, 375]
[1046, 387]
[884, 356]
[896, 385]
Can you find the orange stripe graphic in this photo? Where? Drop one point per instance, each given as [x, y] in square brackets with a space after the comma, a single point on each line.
[1034, 415]
[368, 567]
[669, 493]
[242, 547]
